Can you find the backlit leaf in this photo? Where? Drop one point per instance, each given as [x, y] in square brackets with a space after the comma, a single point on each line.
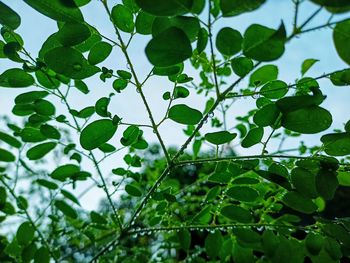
[72, 34]
[253, 137]
[169, 47]
[9, 17]
[299, 203]
[341, 37]
[123, 18]
[39, 151]
[237, 213]
[16, 78]
[264, 44]
[165, 8]
[25, 233]
[66, 209]
[97, 133]
[220, 137]
[183, 114]
[6, 156]
[229, 41]
[66, 11]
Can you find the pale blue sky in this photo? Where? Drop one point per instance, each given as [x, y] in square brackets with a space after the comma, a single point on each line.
[35, 28]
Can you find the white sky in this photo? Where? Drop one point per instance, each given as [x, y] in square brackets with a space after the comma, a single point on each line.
[35, 28]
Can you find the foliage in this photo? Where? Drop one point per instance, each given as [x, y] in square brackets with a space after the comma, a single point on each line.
[172, 204]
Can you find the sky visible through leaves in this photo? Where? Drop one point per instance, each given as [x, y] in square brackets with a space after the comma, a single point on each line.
[35, 28]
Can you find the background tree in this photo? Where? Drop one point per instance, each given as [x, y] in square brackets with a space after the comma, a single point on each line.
[168, 204]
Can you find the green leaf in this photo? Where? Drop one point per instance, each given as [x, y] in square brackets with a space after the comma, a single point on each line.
[213, 193]
[203, 216]
[332, 3]
[237, 7]
[64, 172]
[183, 114]
[243, 193]
[25, 233]
[16, 78]
[165, 8]
[30, 97]
[144, 23]
[336, 144]
[42, 255]
[101, 107]
[44, 107]
[74, 65]
[66, 11]
[48, 184]
[99, 52]
[9, 17]
[202, 40]
[66, 209]
[181, 92]
[267, 115]
[184, 237]
[299, 203]
[264, 44]
[253, 137]
[10, 140]
[189, 25]
[241, 66]
[305, 182]
[229, 41]
[341, 78]
[39, 151]
[3, 196]
[293, 103]
[133, 190]
[97, 218]
[30, 134]
[237, 213]
[123, 18]
[344, 178]
[223, 177]
[6, 156]
[130, 135]
[120, 84]
[168, 71]
[341, 38]
[274, 89]
[326, 184]
[263, 75]
[124, 74]
[50, 132]
[97, 133]
[169, 47]
[72, 34]
[47, 81]
[70, 196]
[314, 243]
[309, 120]
[307, 64]
[213, 244]
[220, 137]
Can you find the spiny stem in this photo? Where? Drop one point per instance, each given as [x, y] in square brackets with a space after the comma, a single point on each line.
[213, 226]
[247, 157]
